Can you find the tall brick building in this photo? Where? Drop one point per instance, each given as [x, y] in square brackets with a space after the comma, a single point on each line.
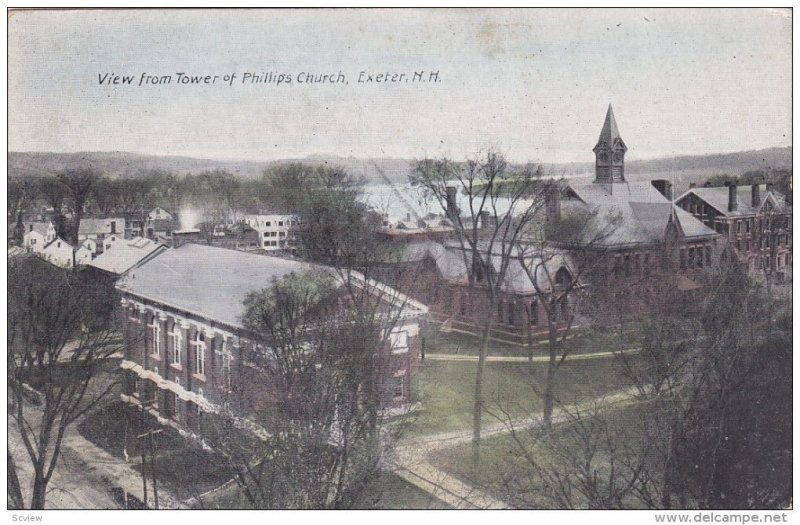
[754, 221]
[187, 350]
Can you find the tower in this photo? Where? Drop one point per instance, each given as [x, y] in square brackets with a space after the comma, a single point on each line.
[610, 152]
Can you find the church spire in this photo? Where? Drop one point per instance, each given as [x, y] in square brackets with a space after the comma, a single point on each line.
[610, 152]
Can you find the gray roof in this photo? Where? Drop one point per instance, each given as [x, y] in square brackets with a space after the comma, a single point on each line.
[125, 254]
[643, 212]
[450, 264]
[213, 282]
[38, 227]
[89, 225]
[717, 197]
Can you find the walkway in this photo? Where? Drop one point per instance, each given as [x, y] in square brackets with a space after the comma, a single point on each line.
[85, 473]
[525, 359]
[411, 457]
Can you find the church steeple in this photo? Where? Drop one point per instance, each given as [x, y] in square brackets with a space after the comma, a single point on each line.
[610, 152]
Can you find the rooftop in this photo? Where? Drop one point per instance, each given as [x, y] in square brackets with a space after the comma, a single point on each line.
[717, 197]
[213, 282]
[125, 255]
[643, 212]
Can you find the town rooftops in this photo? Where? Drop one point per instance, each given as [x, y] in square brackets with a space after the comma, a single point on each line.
[90, 226]
[213, 282]
[125, 255]
[640, 211]
[717, 198]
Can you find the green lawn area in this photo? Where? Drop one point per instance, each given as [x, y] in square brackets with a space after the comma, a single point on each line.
[504, 473]
[389, 492]
[446, 390]
[584, 341]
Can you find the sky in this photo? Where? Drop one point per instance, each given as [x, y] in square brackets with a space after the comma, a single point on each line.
[533, 84]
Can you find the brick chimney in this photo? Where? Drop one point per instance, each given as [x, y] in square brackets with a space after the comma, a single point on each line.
[756, 199]
[552, 204]
[664, 187]
[692, 185]
[732, 202]
[452, 207]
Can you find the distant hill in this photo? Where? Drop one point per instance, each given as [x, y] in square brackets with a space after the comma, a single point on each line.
[682, 170]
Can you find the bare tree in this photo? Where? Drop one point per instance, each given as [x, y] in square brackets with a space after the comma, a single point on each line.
[555, 263]
[322, 440]
[501, 202]
[79, 183]
[60, 333]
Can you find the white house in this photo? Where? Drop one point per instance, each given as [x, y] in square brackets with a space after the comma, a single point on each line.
[159, 213]
[100, 228]
[111, 241]
[59, 252]
[37, 235]
[275, 232]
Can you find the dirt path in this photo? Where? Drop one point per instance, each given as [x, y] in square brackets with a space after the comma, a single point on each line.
[524, 359]
[411, 461]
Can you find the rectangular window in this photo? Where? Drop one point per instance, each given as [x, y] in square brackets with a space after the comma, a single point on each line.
[534, 313]
[500, 311]
[176, 344]
[683, 258]
[200, 354]
[399, 341]
[226, 371]
[156, 337]
[511, 319]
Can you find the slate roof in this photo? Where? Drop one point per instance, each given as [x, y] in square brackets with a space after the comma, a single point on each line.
[449, 259]
[213, 282]
[125, 255]
[642, 211]
[717, 197]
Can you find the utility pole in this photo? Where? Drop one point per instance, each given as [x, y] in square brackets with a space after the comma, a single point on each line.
[150, 434]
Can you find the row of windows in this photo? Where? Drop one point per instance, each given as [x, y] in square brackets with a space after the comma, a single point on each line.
[698, 257]
[175, 352]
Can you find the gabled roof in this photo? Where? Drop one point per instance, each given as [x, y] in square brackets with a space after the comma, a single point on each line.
[450, 263]
[641, 210]
[717, 198]
[89, 225]
[38, 227]
[56, 240]
[213, 282]
[125, 255]
[609, 135]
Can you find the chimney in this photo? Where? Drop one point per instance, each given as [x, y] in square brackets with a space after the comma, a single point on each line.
[486, 222]
[769, 187]
[664, 187]
[707, 184]
[692, 185]
[452, 208]
[756, 200]
[732, 203]
[552, 204]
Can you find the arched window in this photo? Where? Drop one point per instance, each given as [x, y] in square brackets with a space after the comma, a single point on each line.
[563, 277]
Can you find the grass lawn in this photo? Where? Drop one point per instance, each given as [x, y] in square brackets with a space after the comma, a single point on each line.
[390, 492]
[182, 468]
[446, 390]
[503, 473]
[585, 341]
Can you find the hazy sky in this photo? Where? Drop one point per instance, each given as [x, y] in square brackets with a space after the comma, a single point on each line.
[534, 84]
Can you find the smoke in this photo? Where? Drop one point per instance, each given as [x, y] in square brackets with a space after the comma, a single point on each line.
[189, 218]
